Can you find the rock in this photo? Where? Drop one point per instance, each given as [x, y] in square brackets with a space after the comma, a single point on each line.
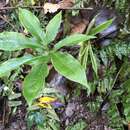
[58, 82]
[70, 109]
[1, 126]
[104, 15]
[15, 125]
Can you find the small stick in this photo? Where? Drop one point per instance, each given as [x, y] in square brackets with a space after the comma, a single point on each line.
[41, 7]
[5, 19]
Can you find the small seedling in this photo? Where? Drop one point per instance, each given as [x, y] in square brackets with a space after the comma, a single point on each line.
[39, 41]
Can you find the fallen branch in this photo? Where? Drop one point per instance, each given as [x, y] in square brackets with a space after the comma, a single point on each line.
[41, 7]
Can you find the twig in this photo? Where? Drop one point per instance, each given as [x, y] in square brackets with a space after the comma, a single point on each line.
[3, 18]
[41, 7]
[11, 8]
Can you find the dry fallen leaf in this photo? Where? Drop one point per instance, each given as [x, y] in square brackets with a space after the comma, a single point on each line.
[79, 27]
[3, 3]
[129, 126]
[66, 3]
[52, 8]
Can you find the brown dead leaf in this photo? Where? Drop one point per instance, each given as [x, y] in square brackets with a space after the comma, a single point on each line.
[129, 126]
[3, 3]
[79, 27]
[52, 8]
[66, 3]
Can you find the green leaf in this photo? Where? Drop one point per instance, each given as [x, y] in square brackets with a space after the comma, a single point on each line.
[85, 57]
[53, 27]
[93, 60]
[11, 41]
[72, 40]
[101, 27]
[69, 67]
[38, 60]
[126, 85]
[53, 115]
[34, 82]
[80, 125]
[91, 24]
[31, 23]
[12, 64]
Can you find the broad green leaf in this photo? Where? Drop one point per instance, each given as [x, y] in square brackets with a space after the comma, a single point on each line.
[11, 41]
[31, 23]
[39, 59]
[12, 64]
[101, 27]
[34, 82]
[72, 40]
[69, 67]
[53, 27]
[93, 60]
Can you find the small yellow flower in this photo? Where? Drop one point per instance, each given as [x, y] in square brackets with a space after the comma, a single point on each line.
[47, 100]
[44, 105]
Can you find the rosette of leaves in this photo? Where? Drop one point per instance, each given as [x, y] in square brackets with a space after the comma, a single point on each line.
[39, 41]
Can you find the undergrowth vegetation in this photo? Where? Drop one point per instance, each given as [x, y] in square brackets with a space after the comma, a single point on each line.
[97, 75]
